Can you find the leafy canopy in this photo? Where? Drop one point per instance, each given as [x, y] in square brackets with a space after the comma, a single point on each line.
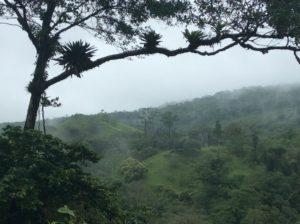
[40, 173]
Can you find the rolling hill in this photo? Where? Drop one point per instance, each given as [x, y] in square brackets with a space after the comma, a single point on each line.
[248, 173]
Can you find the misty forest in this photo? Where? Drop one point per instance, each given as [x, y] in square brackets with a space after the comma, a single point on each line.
[232, 157]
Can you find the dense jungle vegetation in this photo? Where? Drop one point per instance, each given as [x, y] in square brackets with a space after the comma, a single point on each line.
[229, 158]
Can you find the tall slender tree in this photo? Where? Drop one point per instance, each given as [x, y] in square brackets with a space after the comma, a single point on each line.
[168, 119]
[147, 115]
[258, 25]
[218, 132]
[255, 141]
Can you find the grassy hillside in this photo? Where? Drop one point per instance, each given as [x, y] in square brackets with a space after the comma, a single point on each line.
[176, 189]
[80, 127]
[243, 169]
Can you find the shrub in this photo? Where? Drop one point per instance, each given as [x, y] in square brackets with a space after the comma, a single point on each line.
[186, 196]
[132, 169]
[145, 152]
[186, 143]
[40, 173]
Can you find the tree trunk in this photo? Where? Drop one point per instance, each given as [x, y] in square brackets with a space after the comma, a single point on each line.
[43, 117]
[37, 86]
[145, 128]
[32, 111]
[36, 89]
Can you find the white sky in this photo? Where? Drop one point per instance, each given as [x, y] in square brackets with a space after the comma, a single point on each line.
[140, 82]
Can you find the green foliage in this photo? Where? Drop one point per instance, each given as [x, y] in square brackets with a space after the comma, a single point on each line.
[218, 132]
[285, 17]
[251, 108]
[76, 56]
[67, 211]
[147, 116]
[70, 217]
[132, 169]
[237, 138]
[255, 141]
[47, 102]
[185, 143]
[201, 179]
[168, 119]
[213, 172]
[121, 23]
[275, 160]
[193, 37]
[40, 173]
[151, 39]
[145, 152]
[264, 214]
[99, 130]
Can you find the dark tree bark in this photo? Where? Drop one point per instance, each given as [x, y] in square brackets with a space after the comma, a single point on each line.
[43, 118]
[32, 111]
[37, 87]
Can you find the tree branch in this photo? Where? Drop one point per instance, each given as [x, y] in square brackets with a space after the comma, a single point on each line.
[297, 57]
[23, 21]
[10, 24]
[142, 51]
[205, 53]
[76, 23]
[237, 39]
[265, 50]
[59, 19]
[48, 16]
[96, 63]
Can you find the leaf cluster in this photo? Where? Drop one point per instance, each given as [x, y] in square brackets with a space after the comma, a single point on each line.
[285, 17]
[131, 169]
[151, 39]
[168, 119]
[76, 56]
[47, 102]
[40, 173]
[193, 37]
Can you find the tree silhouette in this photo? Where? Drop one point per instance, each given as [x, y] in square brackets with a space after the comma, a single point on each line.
[258, 25]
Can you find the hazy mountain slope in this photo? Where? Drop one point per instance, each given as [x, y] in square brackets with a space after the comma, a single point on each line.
[79, 127]
[267, 106]
[264, 105]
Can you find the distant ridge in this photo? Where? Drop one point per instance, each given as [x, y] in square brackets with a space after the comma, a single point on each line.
[271, 105]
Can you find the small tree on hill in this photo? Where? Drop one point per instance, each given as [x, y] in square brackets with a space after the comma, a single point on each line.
[218, 132]
[258, 25]
[255, 141]
[168, 119]
[147, 116]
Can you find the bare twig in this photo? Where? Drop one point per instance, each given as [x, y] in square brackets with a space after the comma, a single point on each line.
[10, 24]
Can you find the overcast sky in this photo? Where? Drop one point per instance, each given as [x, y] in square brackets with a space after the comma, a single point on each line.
[140, 82]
